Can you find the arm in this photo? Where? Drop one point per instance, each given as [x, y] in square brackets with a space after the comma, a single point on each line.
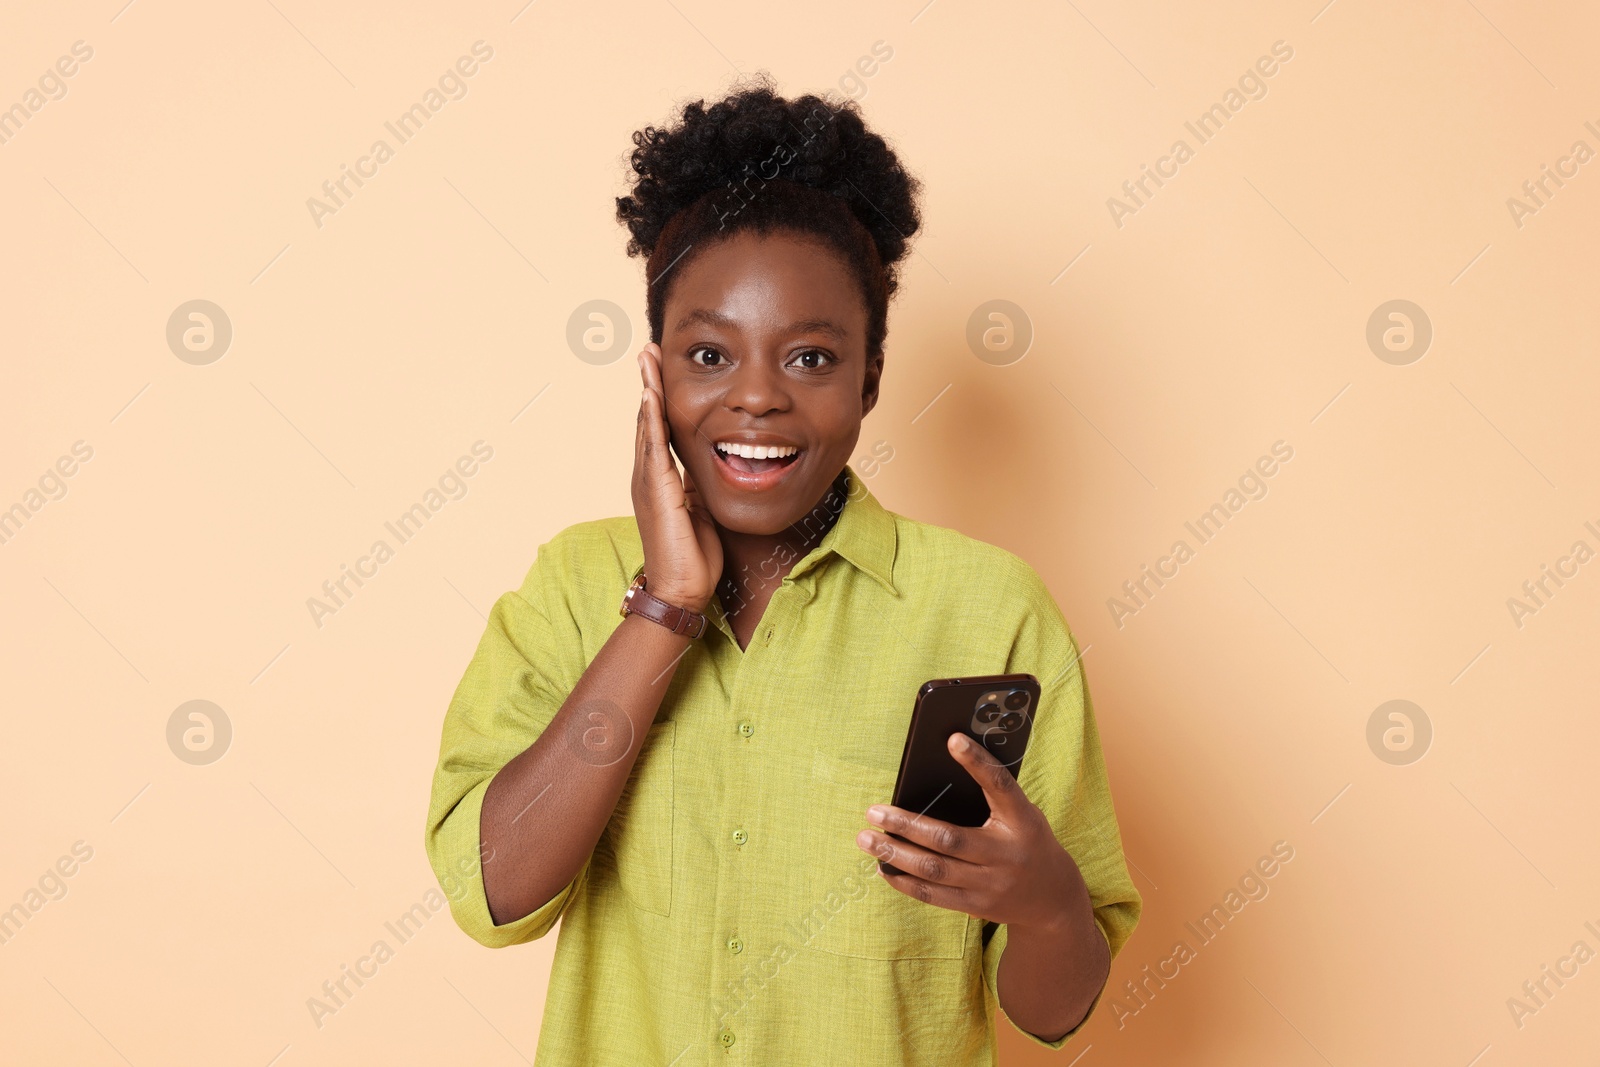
[544, 810]
[1050, 976]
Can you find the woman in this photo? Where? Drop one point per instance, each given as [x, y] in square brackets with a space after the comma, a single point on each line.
[698, 788]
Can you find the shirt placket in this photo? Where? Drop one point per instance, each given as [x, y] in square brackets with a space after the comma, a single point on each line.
[745, 949]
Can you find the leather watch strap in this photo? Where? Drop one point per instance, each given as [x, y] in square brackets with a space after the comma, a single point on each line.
[680, 620]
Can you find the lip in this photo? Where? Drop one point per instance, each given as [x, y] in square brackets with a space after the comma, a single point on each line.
[743, 480]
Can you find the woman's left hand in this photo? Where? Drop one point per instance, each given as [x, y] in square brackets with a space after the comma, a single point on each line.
[1010, 870]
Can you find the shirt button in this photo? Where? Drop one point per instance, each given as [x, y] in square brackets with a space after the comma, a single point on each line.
[745, 729]
[740, 837]
[735, 945]
[726, 1037]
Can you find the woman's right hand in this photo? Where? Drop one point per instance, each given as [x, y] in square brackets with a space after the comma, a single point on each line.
[682, 552]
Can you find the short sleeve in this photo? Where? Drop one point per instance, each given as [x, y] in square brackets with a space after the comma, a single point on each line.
[1064, 773]
[517, 680]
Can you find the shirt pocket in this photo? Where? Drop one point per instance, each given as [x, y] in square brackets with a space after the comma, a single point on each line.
[639, 834]
[852, 910]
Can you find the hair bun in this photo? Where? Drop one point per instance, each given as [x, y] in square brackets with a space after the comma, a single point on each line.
[753, 136]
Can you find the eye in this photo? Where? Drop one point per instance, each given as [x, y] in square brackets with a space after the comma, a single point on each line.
[705, 356]
[812, 359]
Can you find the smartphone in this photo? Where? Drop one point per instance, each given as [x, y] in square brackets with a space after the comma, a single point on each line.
[995, 710]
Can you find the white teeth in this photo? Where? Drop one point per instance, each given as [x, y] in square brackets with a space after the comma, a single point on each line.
[730, 448]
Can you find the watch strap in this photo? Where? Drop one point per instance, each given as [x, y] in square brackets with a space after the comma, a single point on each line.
[680, 620]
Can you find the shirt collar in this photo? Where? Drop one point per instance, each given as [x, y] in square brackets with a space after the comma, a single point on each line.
[864, 535]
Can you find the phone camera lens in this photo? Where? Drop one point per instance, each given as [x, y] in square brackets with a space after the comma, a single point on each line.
[1011, 720]
[988, 711]
[1016, 700]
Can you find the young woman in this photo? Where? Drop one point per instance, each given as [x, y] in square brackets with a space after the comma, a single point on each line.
[698, 786]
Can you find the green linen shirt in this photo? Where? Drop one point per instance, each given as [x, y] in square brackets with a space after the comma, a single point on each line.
[726, 915]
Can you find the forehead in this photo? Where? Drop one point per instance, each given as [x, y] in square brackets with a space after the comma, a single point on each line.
[760, 279]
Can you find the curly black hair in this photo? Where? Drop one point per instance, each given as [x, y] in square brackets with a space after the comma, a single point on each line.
[756, 161]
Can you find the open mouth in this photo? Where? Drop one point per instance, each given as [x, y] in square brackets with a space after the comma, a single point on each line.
[756, 459]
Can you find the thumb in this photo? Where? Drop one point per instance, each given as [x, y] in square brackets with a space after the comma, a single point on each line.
[999, 787]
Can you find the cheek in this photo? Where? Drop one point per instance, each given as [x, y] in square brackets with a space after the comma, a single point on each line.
[686, 410]
[679, 433]
[837, 416]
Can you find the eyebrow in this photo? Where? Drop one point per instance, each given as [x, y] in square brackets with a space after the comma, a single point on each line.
[832, 329]
[706, 316]
[712, 318]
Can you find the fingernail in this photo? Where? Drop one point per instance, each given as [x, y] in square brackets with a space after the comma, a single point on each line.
[864, 841]
[644, 395]
[876, 814]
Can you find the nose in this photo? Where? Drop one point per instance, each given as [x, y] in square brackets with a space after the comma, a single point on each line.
[757, 387]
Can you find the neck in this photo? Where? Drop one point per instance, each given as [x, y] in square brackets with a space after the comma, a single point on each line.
[755, 564]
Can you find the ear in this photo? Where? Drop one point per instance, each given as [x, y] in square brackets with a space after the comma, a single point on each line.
[869, 386]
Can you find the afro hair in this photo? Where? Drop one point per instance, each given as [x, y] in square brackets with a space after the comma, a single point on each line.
[756, 161]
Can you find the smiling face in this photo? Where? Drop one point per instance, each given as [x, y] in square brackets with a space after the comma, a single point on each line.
[765, 369]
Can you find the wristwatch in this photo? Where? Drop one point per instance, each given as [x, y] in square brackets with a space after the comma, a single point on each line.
[636, 601]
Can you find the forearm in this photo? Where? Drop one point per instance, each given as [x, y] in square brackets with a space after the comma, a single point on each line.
[1049, 976]
[544, 811]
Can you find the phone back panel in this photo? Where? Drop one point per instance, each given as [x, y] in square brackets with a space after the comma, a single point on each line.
[931, 782]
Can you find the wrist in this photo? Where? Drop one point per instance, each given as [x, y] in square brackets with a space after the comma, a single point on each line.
[1072, 914]
[677, 596]
[677, 616]
[656, 630]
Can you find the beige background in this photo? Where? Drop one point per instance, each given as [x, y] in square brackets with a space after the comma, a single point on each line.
[1228, 313]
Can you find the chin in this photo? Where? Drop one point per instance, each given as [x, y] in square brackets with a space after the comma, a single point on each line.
[768, 512]
[757, 518]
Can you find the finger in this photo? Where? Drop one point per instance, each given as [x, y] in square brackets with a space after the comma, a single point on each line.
[925, 864]
[691, 494]
[650, 363]
[940, 896]
[1005, 796]
[641, 429]
[968, 843]
[660, 474]
[653, 358]
[650, 366]
[695, 503]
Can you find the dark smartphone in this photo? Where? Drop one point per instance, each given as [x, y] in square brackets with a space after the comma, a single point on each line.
[995, 710]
